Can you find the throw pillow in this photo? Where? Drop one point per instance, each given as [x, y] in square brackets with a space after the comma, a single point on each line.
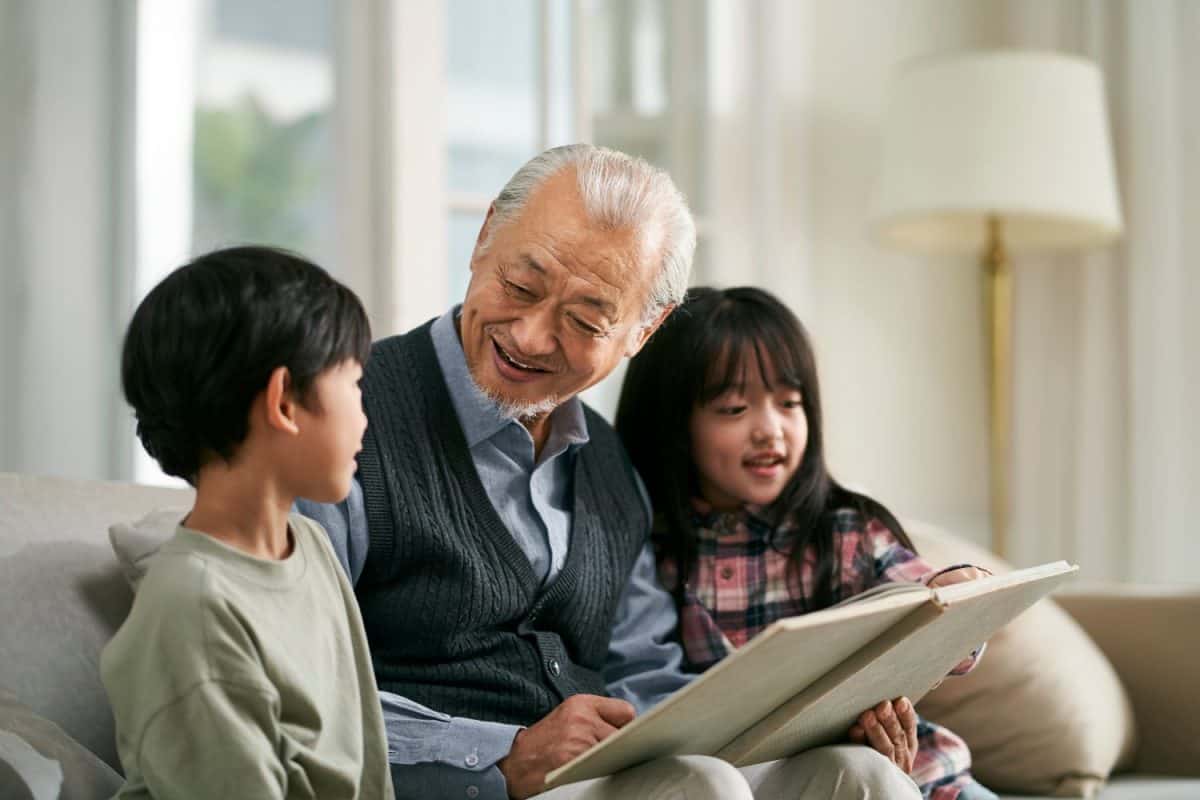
[39, 760]
[134, 543]
[1044, 711]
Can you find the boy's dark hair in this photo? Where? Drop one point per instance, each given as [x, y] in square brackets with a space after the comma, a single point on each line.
[204, 342]
[703, 349]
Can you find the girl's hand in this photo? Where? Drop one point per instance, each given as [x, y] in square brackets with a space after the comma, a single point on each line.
[889, 728]
[958, 575]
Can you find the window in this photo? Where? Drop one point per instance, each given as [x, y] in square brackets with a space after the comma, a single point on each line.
[234, 139]
[320, 127]
[527, 75]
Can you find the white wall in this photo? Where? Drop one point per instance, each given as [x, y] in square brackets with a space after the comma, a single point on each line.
[65, 259]
[899, 339]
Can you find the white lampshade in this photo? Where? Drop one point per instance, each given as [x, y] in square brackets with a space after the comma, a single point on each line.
[1016, 135]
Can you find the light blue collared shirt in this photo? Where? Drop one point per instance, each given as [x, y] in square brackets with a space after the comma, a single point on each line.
[433, 754]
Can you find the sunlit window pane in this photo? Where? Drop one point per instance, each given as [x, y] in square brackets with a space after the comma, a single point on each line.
[648, 84]
[494, 53]
[464, 230]
[263, 157]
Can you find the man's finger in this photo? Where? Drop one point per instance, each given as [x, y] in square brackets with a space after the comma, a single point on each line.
[599, 730]
[617, 713]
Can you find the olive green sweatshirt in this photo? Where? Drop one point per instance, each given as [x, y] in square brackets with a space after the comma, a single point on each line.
[236, 676]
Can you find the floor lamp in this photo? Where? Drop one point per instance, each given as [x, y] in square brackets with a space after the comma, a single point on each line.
[992, 153]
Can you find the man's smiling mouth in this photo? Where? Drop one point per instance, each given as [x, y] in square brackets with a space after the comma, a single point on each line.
[514, 362]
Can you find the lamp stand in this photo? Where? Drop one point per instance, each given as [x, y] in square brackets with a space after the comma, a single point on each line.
[998, 299]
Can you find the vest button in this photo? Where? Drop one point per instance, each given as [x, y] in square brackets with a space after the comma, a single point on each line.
[554, 667]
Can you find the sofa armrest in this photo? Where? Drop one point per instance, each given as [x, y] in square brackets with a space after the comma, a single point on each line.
[1152, 637]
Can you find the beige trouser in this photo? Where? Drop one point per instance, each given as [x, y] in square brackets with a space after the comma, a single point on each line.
[843, 772]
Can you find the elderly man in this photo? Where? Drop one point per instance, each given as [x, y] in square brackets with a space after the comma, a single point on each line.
[497, 534]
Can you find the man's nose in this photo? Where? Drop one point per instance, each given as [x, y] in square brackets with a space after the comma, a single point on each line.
[533, 333]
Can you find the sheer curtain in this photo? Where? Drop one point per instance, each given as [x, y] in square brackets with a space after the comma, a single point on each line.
[65, 266]
[1107, 441]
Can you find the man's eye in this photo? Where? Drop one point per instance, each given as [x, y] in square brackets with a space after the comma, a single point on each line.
[518, 290]
[587, 328]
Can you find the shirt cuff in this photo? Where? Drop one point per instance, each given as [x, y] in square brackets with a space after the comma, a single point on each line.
[434, 755]
[422, 781]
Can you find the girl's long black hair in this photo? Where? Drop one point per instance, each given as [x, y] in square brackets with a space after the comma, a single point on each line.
[703, 349]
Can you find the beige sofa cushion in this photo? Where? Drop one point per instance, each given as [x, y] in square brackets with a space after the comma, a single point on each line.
[1044, 712]
[135, 543]
[63, 596]
[69, 771]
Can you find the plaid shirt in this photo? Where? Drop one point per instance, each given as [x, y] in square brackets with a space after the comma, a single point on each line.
[740, 584]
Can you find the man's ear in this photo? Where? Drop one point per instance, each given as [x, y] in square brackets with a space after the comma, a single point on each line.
[486, 226]
[280, 403]
[640, 338]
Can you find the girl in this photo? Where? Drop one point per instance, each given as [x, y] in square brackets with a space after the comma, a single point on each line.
[721, 415]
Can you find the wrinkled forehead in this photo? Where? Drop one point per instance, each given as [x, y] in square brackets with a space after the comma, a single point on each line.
[555, 220]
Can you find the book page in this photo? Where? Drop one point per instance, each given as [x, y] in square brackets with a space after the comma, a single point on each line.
[907, 660]
[884, 590]
[706, 715]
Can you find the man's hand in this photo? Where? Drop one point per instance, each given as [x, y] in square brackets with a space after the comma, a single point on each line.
[577, 724]
[891, 729]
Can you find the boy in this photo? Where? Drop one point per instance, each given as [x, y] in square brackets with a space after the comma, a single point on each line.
[242, 669]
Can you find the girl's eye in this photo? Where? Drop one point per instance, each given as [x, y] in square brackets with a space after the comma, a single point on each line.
[730, 411]
[793, 404]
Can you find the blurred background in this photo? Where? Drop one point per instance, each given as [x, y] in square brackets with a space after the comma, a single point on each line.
[371, 136]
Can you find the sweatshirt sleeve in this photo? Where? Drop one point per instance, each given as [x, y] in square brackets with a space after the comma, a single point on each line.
[216, 740]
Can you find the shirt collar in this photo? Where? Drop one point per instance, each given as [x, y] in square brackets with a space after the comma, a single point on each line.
[478, 415]
[745, 521]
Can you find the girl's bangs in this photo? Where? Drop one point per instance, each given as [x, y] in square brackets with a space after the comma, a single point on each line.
[739, 338]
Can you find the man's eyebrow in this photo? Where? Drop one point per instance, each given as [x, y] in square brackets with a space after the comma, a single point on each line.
[528, 261]
[605, 307]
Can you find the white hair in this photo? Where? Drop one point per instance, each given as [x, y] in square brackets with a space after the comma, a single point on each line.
[618, 191]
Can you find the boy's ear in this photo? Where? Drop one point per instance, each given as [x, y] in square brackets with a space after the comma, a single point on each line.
[644, 333]
[280, 402]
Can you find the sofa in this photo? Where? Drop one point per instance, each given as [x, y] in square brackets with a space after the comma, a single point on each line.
[62, 595]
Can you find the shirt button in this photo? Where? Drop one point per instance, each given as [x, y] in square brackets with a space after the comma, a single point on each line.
[726, 573]
[472, 791]
[472, 760]
[554, 667]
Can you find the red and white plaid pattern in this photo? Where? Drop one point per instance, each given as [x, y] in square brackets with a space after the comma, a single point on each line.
[740, 584]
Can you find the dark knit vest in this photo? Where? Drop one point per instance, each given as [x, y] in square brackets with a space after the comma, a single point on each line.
[450, 602]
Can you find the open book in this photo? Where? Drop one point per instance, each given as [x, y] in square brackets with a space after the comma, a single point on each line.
[803, 681]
